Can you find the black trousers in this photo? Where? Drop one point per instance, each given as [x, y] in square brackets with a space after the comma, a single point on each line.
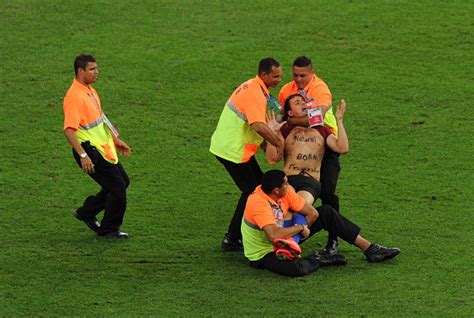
[335, 223]
[329, 220]
[112, 198]
[247, 176]
[330, 168]
[294, 268]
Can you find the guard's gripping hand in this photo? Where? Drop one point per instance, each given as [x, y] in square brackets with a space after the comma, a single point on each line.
[305, 233]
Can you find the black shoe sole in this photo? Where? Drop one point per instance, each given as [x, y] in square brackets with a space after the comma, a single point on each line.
[123, 237]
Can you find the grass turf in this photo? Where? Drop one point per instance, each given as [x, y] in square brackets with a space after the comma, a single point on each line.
[167, 68]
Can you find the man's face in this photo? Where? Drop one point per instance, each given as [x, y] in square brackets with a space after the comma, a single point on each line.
[298, 107]
[90, 73]
[302, 76]
[273, 78]
[283, 189]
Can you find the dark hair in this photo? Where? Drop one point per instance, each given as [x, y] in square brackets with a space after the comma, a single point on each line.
[266, 65]
[286, 106]
[82, 60]
[272, 179]
[302, 61]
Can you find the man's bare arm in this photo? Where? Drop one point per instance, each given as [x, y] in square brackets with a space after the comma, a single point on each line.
[86, 163]
[273, 231]
[298, 121]
[271, 151]
[273, 139]
[303, 120]
[309, 212]
[121, 146]
[341, 143]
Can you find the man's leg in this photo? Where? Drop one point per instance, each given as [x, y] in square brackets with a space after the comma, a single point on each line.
[336, 224]
[247, 176]
[294, 268]
[330, 168]
[114, 181]
[306, 186]
[93, 204]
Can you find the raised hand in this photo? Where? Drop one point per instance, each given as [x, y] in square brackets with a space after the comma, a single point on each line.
[272, 123]
[341, 109]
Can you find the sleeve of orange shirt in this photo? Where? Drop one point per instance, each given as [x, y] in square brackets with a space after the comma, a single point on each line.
[72, 115]
[294, 200]
[255, 105]
[258, 211]
[262, 214]
[320, 91]
[283, 95]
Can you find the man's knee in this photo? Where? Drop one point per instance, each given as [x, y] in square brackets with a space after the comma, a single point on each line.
[326, 213]
[119, 190]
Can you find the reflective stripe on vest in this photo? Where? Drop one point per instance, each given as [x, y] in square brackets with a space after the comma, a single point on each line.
[236, 111]
[253, 226]
[99, 135]
[93, 124]
[234, 139]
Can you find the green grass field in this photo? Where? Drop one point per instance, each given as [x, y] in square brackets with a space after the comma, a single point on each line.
[167, 67]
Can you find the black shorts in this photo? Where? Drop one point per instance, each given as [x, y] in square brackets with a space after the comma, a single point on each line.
[303, 182]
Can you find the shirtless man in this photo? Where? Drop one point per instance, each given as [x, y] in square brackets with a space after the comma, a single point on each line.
[304, 151]
[304, 147]
[303, 154]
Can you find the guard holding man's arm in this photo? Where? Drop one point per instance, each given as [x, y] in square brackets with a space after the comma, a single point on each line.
[240, 131]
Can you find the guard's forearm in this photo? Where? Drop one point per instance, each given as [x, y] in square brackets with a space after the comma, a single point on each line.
[281, 232]
[73, 141]
[272, 154]
[298, 121]
[263, 130]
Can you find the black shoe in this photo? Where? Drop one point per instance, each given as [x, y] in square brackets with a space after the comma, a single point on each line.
[332, 247]
[115, 235]
[93, 224]
[329, 260]
[378, 253]
[230, 245]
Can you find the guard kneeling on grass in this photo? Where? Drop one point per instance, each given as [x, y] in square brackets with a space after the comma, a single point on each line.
[271, 233]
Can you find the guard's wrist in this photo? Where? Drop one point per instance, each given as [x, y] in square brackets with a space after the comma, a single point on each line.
[302, 228]
[83, 155]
